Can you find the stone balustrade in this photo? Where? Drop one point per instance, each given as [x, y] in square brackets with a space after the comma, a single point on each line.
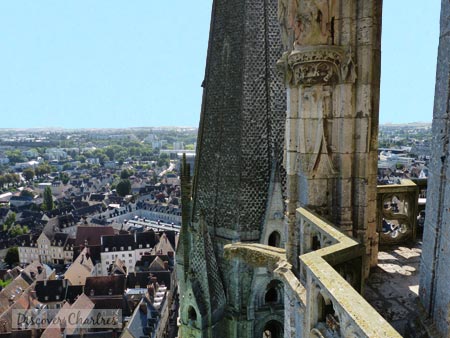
[322, 302]
[397, 211]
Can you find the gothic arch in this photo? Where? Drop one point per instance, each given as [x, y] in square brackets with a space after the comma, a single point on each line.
[274, 239]
[273, 286]
[274, 292]
[273, 323]
[273, 329]
[259, 287]
[324, 315]
[190, 315]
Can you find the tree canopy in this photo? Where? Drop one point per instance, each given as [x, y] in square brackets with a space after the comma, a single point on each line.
[12, 256]
[28, 174]
[48, 199]
[124, 187]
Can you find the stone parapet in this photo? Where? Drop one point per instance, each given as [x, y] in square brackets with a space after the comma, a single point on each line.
[324, 302]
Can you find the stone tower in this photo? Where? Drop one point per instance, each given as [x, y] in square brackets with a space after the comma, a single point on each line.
[435, 261]
[238, 186]
[332, 76]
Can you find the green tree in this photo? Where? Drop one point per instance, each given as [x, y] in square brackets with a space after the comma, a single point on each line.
[399, 166]
[16, 179]
[10, 220]
[15, 156]
[42, 169]
[125, 173]
[8, 179]
[12, 256]
[163, 162]
[3, 284]
[48, 199]
[15, 230]
[28, 174]
[124, 187]
[64, 177]
[67, 166]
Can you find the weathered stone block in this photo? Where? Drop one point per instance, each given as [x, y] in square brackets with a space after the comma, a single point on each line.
[343, 101]
[343, 132]
[344, 36]
[364, 31]
[363, 107]
[362, 135]
[344, 194]
[344, 163]
[365, 8]
[445, 18]
[442, 75]
[291, 139]
[364, 59]
[290, 162]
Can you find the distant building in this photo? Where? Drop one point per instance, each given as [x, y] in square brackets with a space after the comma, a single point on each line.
[4, 198]
[110, 164]
[56, 187]
[178, 145]
[171, 179]
[80, 269]
[127, 248]
[20, 201]
[151, 317]
[24, 165]
[43, 249]
[55, 154]
[93, 160]
[158, 144]
[165, 213]
[30, 153]
[150, 138]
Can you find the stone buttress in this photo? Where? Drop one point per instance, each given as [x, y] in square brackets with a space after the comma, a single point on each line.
[434, 289]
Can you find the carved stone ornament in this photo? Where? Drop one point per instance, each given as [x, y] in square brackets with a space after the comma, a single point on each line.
[321, 65]
[284, 69]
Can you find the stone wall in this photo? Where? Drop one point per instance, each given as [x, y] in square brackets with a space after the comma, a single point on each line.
[434, 269]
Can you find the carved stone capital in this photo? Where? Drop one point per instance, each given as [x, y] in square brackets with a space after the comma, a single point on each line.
[322, 64]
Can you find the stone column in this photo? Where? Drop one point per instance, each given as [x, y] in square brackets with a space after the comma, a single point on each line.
[434, 288]
[332, 72]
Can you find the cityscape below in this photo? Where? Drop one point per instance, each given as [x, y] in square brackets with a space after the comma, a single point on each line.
[91, 217]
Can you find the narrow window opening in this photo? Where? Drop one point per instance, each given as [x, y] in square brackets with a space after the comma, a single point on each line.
[315, 243]
[271, 296]
[274, 239]
[192, 314]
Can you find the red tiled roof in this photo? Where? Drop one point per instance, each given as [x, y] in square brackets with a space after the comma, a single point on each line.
[92, 234]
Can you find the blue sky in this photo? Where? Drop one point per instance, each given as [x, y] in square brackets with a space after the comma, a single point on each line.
[111, 63]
